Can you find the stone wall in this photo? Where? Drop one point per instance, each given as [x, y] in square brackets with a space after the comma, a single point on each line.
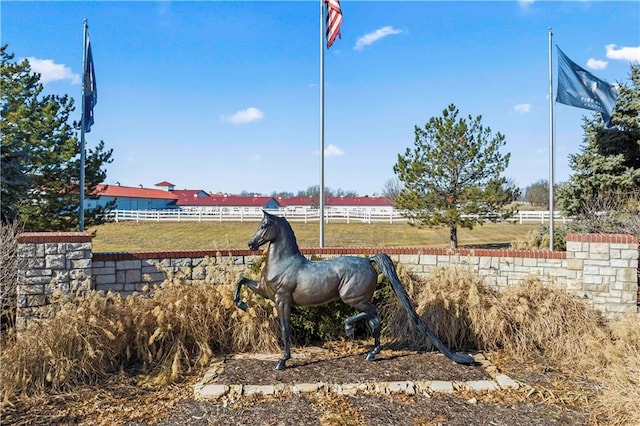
[599, 268]
[48, 262]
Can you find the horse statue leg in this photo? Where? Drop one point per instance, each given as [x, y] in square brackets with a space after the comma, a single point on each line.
[283, 305]
[252, 285]
[349, 322]
[374, 326]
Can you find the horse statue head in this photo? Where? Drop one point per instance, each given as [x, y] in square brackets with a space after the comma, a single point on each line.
[272, 228]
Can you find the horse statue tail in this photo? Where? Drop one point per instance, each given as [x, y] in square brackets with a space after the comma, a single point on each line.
[385, 264]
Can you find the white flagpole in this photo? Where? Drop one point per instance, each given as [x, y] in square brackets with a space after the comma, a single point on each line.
[322, 30]
[82, 121]
[551, 144]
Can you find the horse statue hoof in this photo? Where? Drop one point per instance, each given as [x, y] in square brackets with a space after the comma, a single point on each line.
[348, 329]
[241, 305]
[370, 356]
[281, 365]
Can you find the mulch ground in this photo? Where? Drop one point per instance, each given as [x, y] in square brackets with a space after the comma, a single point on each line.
[122, 401]
[330, 367]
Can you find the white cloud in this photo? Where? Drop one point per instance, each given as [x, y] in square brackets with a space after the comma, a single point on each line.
[522, 108]
[244, 116]
[332, 151]
[374, 36]
[525, 4]
[624, 53]
[50, 71]
[596, 64]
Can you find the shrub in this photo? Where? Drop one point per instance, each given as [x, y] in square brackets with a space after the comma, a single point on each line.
[610, 212]
[539, 239]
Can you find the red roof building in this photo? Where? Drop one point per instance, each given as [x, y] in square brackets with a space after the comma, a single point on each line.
[166, 184]
[229, 201]
[299, 201]
[133, 192]
[186, 196]
[359, 202]
[133, 197]
[140, 198]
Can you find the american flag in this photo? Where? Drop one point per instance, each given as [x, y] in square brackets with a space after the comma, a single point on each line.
[334, 21]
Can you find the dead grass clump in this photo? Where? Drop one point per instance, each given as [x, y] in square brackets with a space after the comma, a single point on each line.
[81, 343]
[534, 322]
[538, 239]
[183, 323]
[450, 300]
[531, 319]
[166, 330]
[528, 319]
[619, 399]
[8, 273]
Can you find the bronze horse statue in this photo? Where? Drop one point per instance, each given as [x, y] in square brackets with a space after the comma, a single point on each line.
[289, 278]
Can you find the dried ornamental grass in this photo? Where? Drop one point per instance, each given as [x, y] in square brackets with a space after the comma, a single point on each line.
[183, 323]
[540, 322]
[527, 319]
[450, 300]
[82, 343]
[531, 319]
[619, 399]
[167, 329]
[453, 303]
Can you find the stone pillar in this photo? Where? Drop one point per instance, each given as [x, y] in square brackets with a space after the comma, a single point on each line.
[50, 261]
[602, 268]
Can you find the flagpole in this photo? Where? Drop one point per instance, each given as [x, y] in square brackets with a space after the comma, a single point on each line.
[322, 29]
[551, 144]
[82, 121]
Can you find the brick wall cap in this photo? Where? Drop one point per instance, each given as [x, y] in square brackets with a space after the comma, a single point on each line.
[55, 237]
[339, 251]
[603, 238]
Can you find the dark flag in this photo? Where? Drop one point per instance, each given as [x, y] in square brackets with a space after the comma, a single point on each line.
[579, 88]
[90, 90]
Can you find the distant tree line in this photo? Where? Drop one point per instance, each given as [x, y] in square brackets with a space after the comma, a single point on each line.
[312, 191]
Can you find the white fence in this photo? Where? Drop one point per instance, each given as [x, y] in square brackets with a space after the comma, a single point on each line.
[309, 215]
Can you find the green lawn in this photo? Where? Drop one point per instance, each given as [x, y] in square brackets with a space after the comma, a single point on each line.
[153, 236]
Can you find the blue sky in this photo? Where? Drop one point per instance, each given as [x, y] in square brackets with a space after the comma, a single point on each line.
[224, 95]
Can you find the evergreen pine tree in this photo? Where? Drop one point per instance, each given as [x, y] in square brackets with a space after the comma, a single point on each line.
[41, 156]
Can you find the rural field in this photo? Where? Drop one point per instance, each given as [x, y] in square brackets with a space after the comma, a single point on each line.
[151, 236]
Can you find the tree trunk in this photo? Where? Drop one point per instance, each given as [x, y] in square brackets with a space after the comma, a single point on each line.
[453, 237]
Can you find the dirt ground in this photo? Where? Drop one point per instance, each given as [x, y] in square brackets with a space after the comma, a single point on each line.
[125, 401]
[346, 366]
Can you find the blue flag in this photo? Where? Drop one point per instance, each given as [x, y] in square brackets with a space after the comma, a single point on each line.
[90, 90]
[579, 88]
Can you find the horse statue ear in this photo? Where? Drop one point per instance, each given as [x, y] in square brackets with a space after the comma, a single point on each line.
[266, 214]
